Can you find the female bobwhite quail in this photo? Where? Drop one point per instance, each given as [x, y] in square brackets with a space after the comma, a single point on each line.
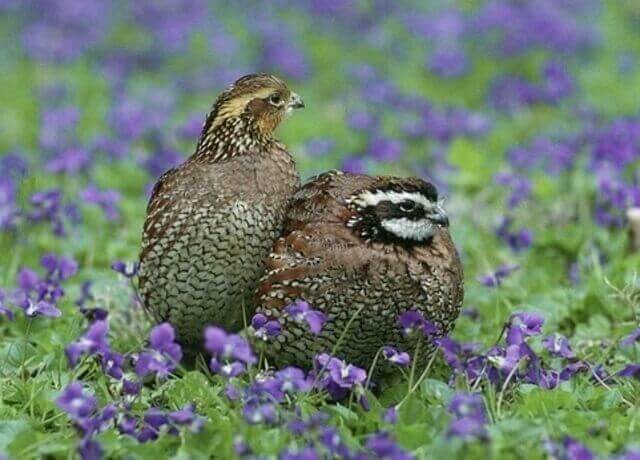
[212, 220]
[361, 249]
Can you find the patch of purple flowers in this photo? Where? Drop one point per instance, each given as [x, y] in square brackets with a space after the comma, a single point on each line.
[88, 420]
[570, 449]
[38, 296]
[108, 200]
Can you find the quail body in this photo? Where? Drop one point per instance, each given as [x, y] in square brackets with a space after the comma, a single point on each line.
[362, 250]
[212, 220]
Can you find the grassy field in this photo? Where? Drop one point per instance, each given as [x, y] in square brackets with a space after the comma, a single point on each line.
[526, 114]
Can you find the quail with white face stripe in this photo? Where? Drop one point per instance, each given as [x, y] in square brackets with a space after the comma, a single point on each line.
[363, 250]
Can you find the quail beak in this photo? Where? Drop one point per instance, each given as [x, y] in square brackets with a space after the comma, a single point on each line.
[439, 216]
[295, 102]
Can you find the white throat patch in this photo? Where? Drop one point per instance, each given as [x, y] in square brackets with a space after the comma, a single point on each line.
[416, 230]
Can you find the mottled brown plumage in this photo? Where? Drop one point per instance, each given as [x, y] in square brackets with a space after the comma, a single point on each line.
[212, 220]
[362, 248]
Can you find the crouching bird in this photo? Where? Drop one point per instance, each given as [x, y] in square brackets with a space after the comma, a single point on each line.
[212, 220]
[362, 250]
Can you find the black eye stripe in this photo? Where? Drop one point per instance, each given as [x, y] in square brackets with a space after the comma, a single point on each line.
[391, 210]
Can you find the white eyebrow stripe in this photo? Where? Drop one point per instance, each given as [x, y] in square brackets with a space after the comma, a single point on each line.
[373, 198]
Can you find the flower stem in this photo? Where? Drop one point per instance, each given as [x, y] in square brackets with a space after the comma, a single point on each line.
[504, 388]
[372, 367]
[25, 346]
[413, 388]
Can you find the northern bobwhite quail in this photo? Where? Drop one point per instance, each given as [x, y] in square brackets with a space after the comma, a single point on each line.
[365, 249]
[212, 220]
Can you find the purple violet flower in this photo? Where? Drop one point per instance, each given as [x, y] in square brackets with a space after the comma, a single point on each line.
[390, 415]
[570, 449]
[558, 345]
[257, 412]
[228, 346]
[128, 269]
[90, 449]
[164, 354]
[187, 417]
[382, 446]
[4, 310]
[76, 402]
[307, 453]
[154, 419]
[394, 356]
[112, 364]
[523, 325]
[41, 308]
[9, 210]
[264, 328]
[630, 370]
[226, 369]
[385, 149]
[92, 342]
[333, 442]
[69, 160]
[301, 311]
[107, 200]
[470, 417]
[353, 164]
[495, 279]
[448, 62]
[413, 320]
[505, 359]
[627, 341]
[58, 268]
[516, 239]
[292, 380]
[337, 376]
[130, 387]
[519, 185]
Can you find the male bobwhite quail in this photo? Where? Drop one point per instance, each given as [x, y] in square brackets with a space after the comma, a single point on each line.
[212, 220]
[365, 249]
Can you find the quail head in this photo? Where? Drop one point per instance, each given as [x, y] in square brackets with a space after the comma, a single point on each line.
[212, 220]
[362, 250]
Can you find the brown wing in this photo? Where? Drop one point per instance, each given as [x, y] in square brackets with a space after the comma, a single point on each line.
[438, 270]
[323, 199]
[174, 196]
[305, 263]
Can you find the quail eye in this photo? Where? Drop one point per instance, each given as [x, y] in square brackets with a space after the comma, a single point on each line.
[275, 99]
[407, 206]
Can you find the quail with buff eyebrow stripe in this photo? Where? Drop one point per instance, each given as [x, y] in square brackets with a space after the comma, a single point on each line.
[213, 219]
[362, 250]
